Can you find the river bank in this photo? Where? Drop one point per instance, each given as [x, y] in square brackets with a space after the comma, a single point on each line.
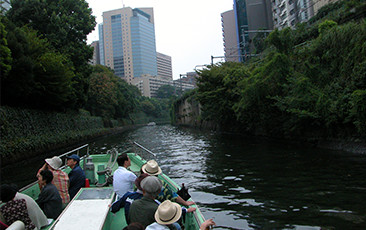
[27, 133]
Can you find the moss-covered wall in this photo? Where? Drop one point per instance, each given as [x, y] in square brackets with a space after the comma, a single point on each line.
[25, 132]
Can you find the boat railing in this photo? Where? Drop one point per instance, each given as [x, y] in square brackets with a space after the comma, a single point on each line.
[63, 156]
[142, 151]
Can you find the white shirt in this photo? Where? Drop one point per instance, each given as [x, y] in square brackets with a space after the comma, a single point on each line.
[123, 181]
[34, 211]
[156, 226]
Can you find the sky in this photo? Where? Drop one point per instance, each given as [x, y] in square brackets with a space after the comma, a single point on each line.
[189, 31]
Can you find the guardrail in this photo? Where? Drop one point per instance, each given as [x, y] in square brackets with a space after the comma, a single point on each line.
[142, 151]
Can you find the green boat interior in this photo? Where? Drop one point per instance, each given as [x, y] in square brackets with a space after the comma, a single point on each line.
[90, 208]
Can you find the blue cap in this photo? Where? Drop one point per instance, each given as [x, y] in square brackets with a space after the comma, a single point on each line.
[74, 156]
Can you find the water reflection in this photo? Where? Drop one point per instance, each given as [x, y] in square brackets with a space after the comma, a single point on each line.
[255, 184]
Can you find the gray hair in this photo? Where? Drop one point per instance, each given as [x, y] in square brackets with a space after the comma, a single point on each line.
[151, 186]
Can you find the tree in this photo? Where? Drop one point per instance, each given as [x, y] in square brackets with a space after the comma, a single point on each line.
[40, 77]
[5, 55]
[165, 92]
[65, 24]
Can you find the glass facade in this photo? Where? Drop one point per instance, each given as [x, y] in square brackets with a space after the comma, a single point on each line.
[101, 44]
[117, 45]
[241, 16]
[143, 44]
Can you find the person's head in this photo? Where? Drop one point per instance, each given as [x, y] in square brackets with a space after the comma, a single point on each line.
[46, 176]
[73, 160]
[54, 163]
[134, 226]
[152, 168]
[151, 186]
[168, 212]
[123, 160]
[7, 192]
[139, 179]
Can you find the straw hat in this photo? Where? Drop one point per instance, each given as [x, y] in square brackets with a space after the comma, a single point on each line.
[54, 162]
[168, 212]
[152, 168]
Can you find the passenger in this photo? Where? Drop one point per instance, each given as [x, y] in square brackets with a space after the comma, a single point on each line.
[122, 178]
[129, 197]
[143, 210]
[76, 175]
[169, 213]
[34, 211]
[49, 199]
[134, 226]
[60, 178]
[152, 168]
[14, 210]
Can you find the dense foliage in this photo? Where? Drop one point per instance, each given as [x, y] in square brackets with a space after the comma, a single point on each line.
[65, 24]
[310, 81]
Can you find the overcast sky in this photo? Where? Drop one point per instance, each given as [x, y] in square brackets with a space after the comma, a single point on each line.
[189, 31]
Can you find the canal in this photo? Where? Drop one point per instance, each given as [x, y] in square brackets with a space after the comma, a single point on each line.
[250, 183]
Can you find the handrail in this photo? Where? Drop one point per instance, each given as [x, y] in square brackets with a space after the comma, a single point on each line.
[63, 166]
[77, 149]
[143, 148]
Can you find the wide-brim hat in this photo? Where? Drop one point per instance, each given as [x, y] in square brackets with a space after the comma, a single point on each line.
[168, 212]
[55, 162]
[152, 168]
[74, 157]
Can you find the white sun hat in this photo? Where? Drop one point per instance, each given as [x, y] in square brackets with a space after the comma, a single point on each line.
[55, 162]
[152, 168]
[168, 212]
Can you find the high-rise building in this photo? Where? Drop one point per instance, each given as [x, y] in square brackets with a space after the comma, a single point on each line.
[251, 16]
[164, 64]
[4, 5]
[287, 13]
[128, 41]
[96, 56]
[320, 3]
[230, 36]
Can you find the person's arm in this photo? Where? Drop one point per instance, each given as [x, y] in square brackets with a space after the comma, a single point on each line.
[207, 224]
[183, 202]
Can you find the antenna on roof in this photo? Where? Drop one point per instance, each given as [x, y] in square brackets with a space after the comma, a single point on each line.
[123, 5]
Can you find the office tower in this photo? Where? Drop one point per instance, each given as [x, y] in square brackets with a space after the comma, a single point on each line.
[129, 42]
[251, 16]
[101, 44]
[287, 13]
[96, 56]
[230, 36]
[164, 64]
[320, 3]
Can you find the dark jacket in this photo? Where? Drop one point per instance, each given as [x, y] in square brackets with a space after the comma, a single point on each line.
[143, 211]
[125, 202]
[49, 200]
[77, 180]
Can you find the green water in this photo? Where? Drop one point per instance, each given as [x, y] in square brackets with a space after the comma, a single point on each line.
[255, 184]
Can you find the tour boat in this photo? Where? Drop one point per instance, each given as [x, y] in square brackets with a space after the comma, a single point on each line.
[90, 208]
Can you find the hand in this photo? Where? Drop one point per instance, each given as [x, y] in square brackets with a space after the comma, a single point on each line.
[189, 203]
[208, 223]
[191, 209]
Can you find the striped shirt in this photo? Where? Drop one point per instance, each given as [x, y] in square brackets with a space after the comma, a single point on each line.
[61, 181]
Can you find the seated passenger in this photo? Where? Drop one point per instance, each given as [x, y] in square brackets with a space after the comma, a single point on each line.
[129, 197]
[143, 210]
[49, 199]
[60, 178]
[123, 179]
[134, 226]
[34, 211]
[152, 168]
[76, 175]
[167, 214]
[14, 210]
